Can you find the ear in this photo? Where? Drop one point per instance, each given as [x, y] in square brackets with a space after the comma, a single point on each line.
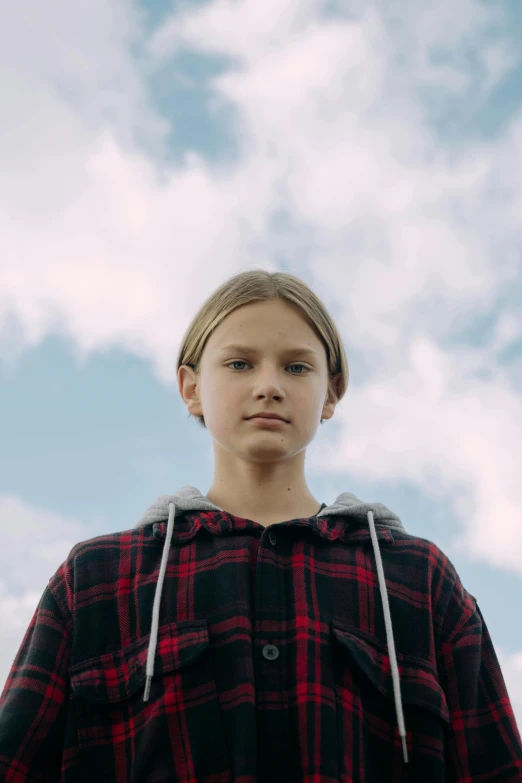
[332, 397]
[328, 410]
[188, 385]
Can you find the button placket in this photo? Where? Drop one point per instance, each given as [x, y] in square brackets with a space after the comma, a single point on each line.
[271, 651]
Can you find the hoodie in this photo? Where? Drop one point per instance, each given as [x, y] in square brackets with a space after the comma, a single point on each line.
[203, 647]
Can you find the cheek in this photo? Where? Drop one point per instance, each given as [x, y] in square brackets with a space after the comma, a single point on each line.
[225, 407]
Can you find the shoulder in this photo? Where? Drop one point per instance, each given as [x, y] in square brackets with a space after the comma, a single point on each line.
[424, 549]
[96, 560]
[451, 603]
[106, 548]
[93, 547]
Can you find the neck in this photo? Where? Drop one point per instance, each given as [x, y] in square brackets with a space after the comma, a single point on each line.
[266, 500]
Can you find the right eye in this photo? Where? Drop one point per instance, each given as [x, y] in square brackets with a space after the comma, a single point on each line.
[236, 362]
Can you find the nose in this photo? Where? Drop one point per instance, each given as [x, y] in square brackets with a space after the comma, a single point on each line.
[269, 389]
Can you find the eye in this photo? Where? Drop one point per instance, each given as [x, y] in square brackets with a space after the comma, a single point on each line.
[239, 361]
[298, 365]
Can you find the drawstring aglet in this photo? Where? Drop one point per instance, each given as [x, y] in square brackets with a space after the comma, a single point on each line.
[405, 750]
[147, 687]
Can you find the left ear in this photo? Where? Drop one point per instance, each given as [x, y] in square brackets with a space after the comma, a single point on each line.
[328, 410]
[332, 397]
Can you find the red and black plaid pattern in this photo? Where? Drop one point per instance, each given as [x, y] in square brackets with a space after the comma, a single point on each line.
[271, 663]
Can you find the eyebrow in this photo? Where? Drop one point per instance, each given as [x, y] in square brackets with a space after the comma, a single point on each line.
[302, 351]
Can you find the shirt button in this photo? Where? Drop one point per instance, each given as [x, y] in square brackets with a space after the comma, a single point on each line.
[272, 537]
[270, 652]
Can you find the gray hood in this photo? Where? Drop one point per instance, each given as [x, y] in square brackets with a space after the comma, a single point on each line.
[347, 505]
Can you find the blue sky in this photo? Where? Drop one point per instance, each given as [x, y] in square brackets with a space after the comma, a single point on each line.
[150, 152]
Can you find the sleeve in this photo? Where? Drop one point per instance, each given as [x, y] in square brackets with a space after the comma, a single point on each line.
[483, 738]
[34, 701]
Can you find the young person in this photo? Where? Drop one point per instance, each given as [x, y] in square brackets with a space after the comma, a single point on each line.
[255, 633]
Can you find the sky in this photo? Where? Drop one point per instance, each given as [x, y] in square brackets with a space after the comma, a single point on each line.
[149, 151]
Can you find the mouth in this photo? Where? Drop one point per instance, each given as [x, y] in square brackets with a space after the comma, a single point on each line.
[267, 420]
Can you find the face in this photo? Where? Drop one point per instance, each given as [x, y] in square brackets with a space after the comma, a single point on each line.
[282, 369]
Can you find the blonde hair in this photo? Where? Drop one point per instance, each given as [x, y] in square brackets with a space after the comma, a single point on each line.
[257, 286]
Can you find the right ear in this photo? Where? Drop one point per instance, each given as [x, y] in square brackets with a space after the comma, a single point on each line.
[188, 385]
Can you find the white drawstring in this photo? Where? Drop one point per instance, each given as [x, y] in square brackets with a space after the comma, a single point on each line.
[389, 636]
[156, 608]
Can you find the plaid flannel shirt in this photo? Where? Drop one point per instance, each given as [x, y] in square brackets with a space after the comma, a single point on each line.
[271, 663]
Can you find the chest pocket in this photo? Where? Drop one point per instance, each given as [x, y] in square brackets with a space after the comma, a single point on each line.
[368, 730]
[178, 733]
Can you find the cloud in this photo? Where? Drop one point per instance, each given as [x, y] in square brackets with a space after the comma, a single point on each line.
[73, 58]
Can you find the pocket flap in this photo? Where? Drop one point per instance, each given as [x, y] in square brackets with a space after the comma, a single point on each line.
[419, 683]
[115, 676]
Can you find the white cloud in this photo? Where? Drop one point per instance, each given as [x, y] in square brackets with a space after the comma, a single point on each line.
[34, 543]
[79, 55]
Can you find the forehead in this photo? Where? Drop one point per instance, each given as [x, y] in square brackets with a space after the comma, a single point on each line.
[259, 323]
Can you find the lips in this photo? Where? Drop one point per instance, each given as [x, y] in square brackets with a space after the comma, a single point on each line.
[266, 416]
